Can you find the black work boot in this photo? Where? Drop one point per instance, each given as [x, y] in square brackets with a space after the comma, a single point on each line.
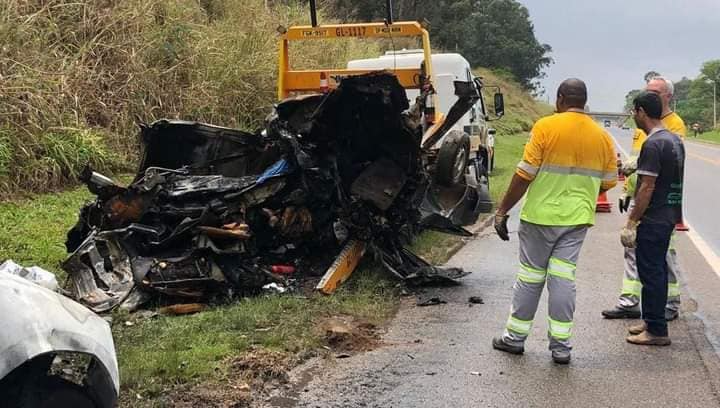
[671, 315]
[561, 356]
[621, 313]
[499, 344]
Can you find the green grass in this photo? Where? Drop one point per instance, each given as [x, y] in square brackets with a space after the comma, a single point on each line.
[508, 152]
[712, 136]
[159, 353]
[33, 230]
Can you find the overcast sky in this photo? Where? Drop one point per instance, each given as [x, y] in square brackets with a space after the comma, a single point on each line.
[611, 44]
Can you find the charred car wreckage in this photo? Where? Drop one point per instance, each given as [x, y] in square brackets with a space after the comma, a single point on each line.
[217, 211]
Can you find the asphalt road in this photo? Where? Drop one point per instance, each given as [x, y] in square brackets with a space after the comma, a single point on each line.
[440, 356]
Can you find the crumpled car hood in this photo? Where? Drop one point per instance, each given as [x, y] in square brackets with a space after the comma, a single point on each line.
[36, 321]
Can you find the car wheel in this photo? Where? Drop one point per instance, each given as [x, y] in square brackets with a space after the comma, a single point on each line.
[453, 158]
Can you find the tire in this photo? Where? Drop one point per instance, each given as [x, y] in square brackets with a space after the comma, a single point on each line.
[453, 158]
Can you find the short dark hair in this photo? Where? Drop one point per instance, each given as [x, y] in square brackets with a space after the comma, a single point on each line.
[650, 102]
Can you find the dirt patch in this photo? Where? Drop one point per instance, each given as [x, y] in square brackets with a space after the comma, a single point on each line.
[263, 366]
[348, 334]
[232, 395]
[248, 377]
[252, 375]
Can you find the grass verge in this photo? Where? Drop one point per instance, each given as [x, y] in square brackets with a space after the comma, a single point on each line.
[712, 136]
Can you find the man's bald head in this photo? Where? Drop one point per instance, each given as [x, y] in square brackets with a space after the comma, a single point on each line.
[572, 93]
[663, 87]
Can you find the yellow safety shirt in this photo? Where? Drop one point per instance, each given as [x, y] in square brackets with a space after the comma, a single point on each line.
[672, 122]
[569, 158]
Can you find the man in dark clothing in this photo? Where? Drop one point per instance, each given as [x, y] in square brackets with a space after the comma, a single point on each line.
[658, 208]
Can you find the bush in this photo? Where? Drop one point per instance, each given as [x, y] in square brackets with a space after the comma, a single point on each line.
[91, 67]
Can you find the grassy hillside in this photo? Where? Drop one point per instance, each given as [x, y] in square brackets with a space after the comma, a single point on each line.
[521, 109]
[75, 76]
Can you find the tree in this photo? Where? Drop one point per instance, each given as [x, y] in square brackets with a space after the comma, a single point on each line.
[682, 89]
[697, 104]
[629, 99]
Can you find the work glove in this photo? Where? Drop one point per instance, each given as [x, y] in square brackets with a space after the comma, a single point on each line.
[629, 166]
[624, 203]
[501, 226]
[628, 235]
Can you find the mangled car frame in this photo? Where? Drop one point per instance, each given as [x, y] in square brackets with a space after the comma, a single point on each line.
[217, 211]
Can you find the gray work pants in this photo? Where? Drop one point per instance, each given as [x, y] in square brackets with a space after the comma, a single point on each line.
[631, 286]
[547, 254]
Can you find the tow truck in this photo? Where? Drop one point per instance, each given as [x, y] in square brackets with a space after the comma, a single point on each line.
[456, 142]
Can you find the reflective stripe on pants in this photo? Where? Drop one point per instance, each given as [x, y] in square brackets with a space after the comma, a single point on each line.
[631, 286]
[547, 254]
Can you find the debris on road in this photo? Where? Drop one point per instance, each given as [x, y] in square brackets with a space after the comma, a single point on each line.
[433, 301]
[216, 212]
[476, 300]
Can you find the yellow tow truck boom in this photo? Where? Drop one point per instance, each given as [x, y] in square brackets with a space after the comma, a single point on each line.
[303, 81]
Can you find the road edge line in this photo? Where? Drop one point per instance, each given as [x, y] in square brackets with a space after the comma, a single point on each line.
[705, 250]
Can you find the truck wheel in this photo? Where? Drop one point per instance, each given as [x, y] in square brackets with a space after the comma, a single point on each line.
[453, 158]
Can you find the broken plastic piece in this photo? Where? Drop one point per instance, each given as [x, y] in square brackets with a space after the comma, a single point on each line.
[274, 287]
[343, 266]
[182, 309]
[282, 269]
[34, 274]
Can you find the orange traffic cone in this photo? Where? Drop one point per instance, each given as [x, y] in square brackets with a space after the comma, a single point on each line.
[603, 205]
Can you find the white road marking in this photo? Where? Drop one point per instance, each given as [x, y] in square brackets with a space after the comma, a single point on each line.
[710, 256]
[702, 246]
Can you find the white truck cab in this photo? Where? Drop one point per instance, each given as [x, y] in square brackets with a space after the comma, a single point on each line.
[447, 68]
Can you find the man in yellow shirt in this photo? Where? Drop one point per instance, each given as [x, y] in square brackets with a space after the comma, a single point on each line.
[628, 306]
[671, 120]
[567, 162]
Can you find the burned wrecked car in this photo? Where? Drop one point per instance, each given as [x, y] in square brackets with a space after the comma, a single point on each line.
[217, 211]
